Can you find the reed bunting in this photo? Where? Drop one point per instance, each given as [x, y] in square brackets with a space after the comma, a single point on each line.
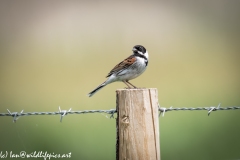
[128, 69]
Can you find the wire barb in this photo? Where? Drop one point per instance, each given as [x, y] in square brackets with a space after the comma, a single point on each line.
[213, 109]
[63, 113]
[15, 115]
[161, 110]
[112, 111]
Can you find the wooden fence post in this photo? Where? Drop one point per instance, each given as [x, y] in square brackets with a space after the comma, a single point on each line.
[137, 124]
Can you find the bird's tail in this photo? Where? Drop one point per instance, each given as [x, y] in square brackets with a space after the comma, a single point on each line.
[97, 89]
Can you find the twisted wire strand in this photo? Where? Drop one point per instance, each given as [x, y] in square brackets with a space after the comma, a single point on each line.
[198, 108]
[111, 111]
[63, 113]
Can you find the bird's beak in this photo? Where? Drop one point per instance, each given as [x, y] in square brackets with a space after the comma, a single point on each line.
[134, 49]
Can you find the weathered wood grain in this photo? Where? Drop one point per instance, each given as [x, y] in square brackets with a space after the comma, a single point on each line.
[137, 124]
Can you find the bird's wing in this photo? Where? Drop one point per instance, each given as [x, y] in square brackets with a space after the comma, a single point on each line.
[122, 65]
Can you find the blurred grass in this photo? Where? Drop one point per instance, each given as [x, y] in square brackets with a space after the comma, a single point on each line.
[54, 53]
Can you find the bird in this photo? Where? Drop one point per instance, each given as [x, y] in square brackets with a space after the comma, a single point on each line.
[128, 69]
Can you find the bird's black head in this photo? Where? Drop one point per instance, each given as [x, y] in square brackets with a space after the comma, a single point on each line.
[139, 49]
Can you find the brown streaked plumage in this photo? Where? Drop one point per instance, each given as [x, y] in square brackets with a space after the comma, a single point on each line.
[124, 64]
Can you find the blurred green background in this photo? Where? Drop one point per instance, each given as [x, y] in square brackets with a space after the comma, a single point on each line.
[53, 53]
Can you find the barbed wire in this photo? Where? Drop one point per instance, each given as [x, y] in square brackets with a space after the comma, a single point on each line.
[63, 113]
[209, 109]
[162, 110]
